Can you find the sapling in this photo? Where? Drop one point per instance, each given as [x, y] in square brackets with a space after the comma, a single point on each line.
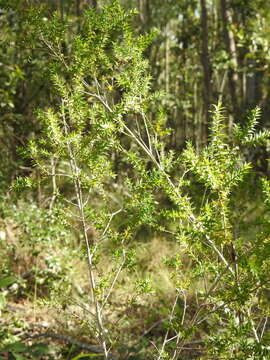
[82, 132]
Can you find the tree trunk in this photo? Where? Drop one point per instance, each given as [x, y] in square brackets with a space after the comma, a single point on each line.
[231, 50]
[78, 8]
[61, 5]
[205, 61]
[93, 3]
[167, 60]
[144, 8]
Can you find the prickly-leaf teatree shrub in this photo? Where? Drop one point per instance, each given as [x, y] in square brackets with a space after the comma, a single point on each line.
[99, 79]
[105, 158]
[228, 265]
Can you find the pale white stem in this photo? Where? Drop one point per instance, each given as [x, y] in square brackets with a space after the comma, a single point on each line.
[109, 222]
[182, 322]
[54, 186]
[191, 217]
[172, 338]
[185, 307]
[71, 203]
[114, 281]
[264, 327]
[161, 351]
[79, 197]
[147, 132]
[255, 333]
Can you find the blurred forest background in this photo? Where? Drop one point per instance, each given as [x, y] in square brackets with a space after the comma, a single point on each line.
[200, 52]
[205, 51]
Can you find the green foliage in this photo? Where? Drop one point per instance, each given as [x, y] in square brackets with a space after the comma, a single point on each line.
[83, 356]
[7, 281]
[106, 172]
[21, 351]
[41, 235]
[248, 135]
[219, 166]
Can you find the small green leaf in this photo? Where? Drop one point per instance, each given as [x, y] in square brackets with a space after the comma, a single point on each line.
[90, 355]
[15, 347]
[19, 357]
[39, 349]
[7, 281]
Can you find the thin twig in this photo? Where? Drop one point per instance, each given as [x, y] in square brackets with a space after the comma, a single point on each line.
[264, 327]
[167, 332]
[114, 281]
[110, 220]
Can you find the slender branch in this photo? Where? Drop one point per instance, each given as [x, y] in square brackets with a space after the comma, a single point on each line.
[167, 332]
[114, 281]
[264, 327]
[110, 220]
[198, 225]
[182, 323]
[54, 186]
[79, 198]
[147, 132]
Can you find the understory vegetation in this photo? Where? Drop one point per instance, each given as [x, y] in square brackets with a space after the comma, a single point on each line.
[120, 238]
